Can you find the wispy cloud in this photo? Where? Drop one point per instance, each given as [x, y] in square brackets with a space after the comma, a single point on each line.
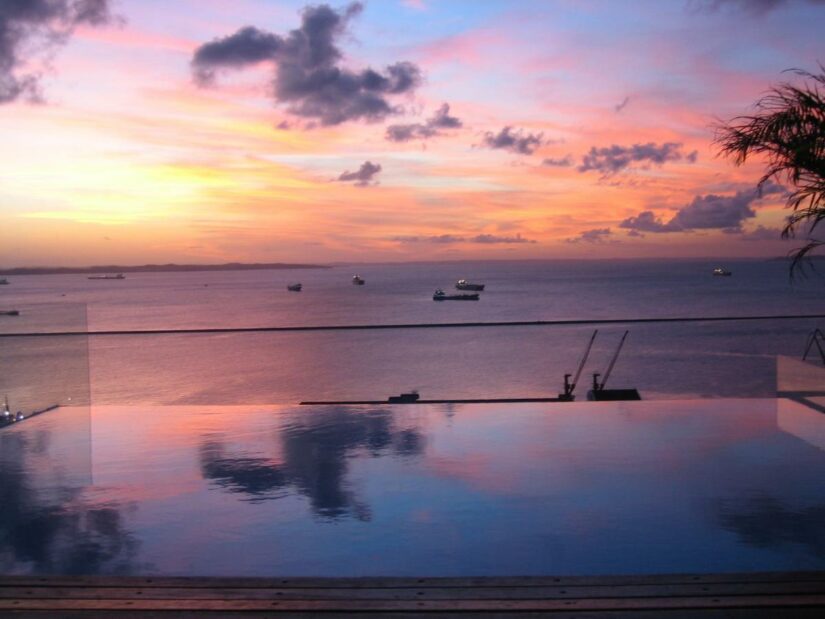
[431, 127]
[363, 176]
[494, 238]
[441, 239]
[593, 236]
[564, 162]
[756, 8]
[613, 159]
[418, 5]
[618, 108]
[448, 239]
[762, 233]
[516, 141]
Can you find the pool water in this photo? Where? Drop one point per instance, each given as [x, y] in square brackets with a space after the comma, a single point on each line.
[425, 490]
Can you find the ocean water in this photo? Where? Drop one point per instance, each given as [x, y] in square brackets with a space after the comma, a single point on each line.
[705, 359]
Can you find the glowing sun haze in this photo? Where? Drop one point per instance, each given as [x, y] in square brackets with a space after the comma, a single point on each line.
[255, 130]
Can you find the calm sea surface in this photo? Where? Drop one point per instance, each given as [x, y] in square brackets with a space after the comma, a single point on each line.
[662, 361]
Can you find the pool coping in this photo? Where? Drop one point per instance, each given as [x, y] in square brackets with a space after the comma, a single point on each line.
[682, 595]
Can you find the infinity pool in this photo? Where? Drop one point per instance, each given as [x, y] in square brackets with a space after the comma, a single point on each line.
[527, 489]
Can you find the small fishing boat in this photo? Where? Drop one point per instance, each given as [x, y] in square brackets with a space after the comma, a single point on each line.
[720, 272]
[4, 281]
[440, 295]
[294, 287]
[463, 284]
[9, 312]
[357, 280]
[118, 276]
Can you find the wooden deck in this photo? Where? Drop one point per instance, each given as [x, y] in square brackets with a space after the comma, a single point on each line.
[620, 597]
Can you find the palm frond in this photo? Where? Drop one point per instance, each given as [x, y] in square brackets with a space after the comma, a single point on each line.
[787, 129]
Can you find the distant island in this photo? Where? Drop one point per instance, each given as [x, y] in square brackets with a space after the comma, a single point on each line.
[159, 268]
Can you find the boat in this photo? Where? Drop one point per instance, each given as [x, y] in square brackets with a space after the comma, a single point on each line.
[463, 284]
[357, 280]
[4, 281]
[6, 416]
[294, 287]
[719, 271]
[440, 295]
[118, 276]
[404, 398]
[9, 312]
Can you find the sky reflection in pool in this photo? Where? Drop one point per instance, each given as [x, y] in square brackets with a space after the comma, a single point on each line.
[528, 489]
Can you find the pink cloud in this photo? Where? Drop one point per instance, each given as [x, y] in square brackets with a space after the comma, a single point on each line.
[474, 48]
[128, 37]
[418, 5]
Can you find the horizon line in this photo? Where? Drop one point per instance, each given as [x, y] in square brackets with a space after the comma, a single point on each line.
[227, 266]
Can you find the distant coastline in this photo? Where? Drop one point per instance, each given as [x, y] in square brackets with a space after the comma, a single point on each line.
[159, 268]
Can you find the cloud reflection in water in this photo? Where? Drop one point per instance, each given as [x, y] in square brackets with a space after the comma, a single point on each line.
[767, 522]
[317, 447]
[55, 527]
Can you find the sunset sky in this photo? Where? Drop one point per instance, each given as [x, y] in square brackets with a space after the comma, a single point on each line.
[264, 130]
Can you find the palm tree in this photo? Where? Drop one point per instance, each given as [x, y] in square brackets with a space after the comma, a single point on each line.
[788, 129]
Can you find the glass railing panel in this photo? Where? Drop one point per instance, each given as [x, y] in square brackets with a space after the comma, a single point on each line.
[45, 441]
[662, 360]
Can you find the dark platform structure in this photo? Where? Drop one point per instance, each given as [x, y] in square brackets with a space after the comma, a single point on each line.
[613, 395]
[401, 400]
[763, 595]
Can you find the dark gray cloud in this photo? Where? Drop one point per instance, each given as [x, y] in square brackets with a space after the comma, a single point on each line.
[309, 80]
[756, 8]
[93, 12]
[770, 188]
[27, 25]
[565, 162]
[515, 141]
[363, 176]
[247, 46]
[708, 212]
[448, 239]
[420, 131]
[613, 159]
[646, 221]
[596, 235]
